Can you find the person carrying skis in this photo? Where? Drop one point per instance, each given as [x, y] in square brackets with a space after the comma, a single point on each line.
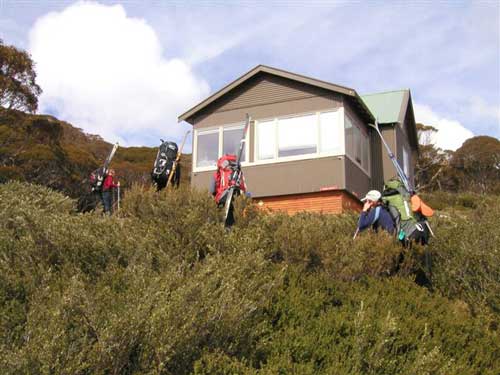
[107, 191]
[374, 214]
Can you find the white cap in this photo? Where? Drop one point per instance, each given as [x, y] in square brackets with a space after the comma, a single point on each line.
[373, 195]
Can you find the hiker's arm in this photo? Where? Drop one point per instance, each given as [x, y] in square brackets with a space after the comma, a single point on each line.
[365, 219]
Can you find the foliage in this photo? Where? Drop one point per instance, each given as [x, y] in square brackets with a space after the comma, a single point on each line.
[18, 88]
[474, 167]
[477, 164]
[163, 288]
[43, 150]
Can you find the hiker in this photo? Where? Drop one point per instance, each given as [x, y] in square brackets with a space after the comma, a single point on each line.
[107, 191]
[409, 213]
[374, 214]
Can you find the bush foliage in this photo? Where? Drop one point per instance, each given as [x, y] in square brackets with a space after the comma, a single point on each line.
[163, 288]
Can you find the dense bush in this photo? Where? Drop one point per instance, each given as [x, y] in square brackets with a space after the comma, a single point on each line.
[163, 288]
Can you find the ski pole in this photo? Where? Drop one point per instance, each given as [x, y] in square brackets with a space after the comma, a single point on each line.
[430, 229]
[118, 202]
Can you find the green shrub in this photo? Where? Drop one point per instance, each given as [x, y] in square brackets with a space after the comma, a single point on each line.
[163, 288]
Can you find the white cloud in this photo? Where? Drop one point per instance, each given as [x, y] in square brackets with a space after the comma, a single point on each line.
[483, 109]
[450, 135]
[104, 72]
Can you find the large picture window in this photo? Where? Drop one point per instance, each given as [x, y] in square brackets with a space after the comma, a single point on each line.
[300, 136]
[297, 136]
[357, 144]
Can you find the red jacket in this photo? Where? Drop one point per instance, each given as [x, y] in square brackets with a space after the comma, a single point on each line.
[108, 183]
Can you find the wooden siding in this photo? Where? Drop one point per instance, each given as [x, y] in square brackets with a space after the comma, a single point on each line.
[356, 181]
[292, 177]
[388, 133]
[332, 202]
[377, 166]
[282, 98]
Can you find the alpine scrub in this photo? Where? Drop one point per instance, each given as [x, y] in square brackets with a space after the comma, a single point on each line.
[162, 288]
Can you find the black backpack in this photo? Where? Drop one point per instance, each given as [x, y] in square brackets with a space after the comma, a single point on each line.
[96, 179]
[167, 154]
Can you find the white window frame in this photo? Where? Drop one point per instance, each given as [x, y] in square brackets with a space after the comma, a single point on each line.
[351, 157]
[316, 155]
[220, 131]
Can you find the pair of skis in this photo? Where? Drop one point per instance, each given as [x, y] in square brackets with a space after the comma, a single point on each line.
[105, 168]
[236, 176]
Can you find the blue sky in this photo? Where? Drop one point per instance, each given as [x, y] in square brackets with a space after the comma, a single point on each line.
[127, 69]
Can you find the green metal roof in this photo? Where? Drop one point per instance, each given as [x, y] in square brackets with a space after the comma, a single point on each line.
[387, 107]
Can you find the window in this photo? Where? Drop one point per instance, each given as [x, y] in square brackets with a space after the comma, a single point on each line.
[406, 162]
[297, 136]
[357, 144]
[231, 141]
[330, 133]
[212, 144]
[305, 135]
[207, 148]
[266, 134]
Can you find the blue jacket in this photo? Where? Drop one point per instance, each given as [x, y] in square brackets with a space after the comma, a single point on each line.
[376, 217]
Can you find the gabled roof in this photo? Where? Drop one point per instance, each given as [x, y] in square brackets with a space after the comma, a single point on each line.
[388, 107]
[348, 92]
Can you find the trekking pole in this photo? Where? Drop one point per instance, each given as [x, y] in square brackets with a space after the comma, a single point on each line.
[355, 234]
[398, 168]
[174, 167]
[118, 200]
[430, 229]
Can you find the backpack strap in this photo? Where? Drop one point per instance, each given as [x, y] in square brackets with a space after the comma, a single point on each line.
[377, 214]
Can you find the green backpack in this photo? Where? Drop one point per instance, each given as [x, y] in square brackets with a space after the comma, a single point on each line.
[397, 200]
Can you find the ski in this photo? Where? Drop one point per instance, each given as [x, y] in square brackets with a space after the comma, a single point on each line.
[399, 170]
[234, 181]
[110, 156]
[179, 153]
[100, 174]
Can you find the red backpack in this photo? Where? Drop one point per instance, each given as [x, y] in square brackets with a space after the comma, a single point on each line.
[226, 165]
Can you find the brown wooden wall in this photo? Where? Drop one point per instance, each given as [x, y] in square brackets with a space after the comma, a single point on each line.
[266, 96]
[332, 202]
[291, 177]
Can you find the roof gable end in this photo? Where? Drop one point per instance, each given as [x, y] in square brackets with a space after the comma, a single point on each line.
[262, 69]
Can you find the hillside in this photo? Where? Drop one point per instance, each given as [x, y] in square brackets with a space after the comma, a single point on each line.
[44, 150]
[162, 288]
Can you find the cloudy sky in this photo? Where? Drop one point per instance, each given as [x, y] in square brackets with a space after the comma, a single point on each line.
[126, 70]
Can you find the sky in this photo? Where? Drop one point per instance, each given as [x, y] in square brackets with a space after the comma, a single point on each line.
[127, 69]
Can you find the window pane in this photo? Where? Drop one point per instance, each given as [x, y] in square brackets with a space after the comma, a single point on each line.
[266, 142]
[231, 142]
[207, 149]
[349, 137]
[297, 136]
[366, 153]
[406, 162]
[358, 139]
[329, 132]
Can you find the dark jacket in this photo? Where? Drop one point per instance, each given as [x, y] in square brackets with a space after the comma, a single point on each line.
[376, 217]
